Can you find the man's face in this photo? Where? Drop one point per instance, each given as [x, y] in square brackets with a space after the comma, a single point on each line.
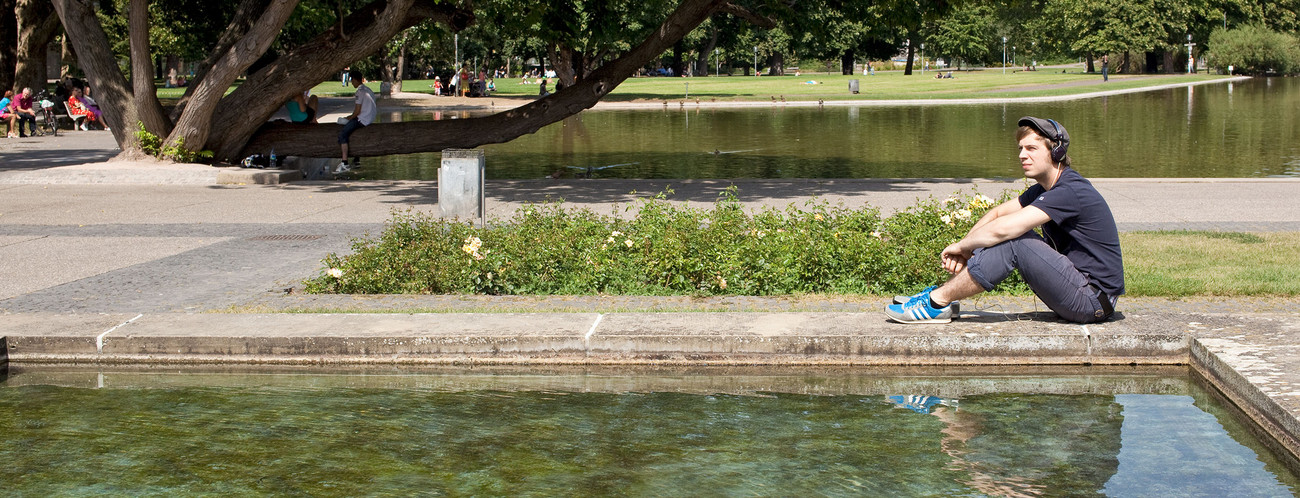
[1035, 157]
[27, 92]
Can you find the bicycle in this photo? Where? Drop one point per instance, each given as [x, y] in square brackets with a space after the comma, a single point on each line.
[50, 120]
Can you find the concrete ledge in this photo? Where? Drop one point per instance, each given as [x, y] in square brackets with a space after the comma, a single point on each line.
[589, 338]
[254, 176]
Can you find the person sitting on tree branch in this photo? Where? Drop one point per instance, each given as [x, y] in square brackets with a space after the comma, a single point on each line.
[363, 113]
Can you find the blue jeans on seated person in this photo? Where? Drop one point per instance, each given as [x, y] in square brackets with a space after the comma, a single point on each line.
[1051, 276]
[346, 133]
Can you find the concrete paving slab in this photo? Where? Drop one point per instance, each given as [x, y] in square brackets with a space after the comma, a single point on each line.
[36, 263]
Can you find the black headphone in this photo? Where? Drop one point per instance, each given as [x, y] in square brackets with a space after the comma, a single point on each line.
[1057, 134]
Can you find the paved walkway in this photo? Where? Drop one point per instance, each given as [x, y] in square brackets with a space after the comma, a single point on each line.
[123, 262]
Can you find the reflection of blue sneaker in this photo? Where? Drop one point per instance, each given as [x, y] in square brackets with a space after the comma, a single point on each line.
[956, 305]
[918, 404]
[918, 310]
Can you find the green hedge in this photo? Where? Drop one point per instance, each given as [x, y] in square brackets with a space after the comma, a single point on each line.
[1255, 50]
[660, 248]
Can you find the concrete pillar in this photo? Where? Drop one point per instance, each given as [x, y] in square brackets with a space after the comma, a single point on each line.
[460, 184]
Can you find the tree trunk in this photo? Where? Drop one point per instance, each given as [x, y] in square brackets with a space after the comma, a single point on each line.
[846, 62]
[433, 136]
[145, 94]
[8, 44]
[776, 64]
[563, 61]
[67, 58]
[1091, 68]
[907, 70]
[94, 56]
[37, 25]
[401, 68]
[677, 65]
[702, 64]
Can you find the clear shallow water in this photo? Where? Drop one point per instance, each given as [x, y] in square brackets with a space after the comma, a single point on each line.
[1244, 129]
[599, 433]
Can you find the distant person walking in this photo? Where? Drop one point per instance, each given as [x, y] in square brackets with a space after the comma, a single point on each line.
[1105, 68]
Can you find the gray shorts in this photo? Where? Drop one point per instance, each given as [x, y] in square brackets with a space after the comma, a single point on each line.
[1051, 276]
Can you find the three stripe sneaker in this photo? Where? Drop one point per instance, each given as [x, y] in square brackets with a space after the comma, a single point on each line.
[918, 310]
[956, 305]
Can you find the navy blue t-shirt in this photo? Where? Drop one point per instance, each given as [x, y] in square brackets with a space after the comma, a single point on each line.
[1082, 228]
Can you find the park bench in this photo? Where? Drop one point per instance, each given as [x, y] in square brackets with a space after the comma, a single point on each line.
[75, 118]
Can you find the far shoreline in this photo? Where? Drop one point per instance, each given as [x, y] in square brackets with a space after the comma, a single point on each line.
[424, 101]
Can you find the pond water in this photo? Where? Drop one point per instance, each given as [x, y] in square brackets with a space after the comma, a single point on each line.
[1242, 129]
[656, 432]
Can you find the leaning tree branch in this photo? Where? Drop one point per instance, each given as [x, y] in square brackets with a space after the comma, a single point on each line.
[246, 13]
[754, 18]
[432, 136]
[265, 91]
[194, 126]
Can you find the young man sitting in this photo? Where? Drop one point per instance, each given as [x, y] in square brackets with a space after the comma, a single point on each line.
[1075, 266]
[363, 113]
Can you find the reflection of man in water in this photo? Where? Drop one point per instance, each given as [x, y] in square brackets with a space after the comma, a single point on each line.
[1027, 445]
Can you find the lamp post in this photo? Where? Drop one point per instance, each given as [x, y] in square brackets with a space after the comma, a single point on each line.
[718, 61]
[457, 60]
[755, 61]
[1004, 56]
[1191, 64]
[921, 52]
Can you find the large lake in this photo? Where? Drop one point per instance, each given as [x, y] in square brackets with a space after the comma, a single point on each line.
[1245, 129]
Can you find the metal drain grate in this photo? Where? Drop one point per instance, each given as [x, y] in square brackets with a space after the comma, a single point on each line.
[262, 238]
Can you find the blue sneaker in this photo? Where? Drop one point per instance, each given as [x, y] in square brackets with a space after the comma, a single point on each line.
[918, 310]
[956, 305]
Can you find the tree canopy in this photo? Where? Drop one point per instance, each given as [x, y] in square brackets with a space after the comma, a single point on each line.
[275, 49]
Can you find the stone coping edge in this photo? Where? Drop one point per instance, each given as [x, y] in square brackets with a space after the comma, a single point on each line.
[1280, 429]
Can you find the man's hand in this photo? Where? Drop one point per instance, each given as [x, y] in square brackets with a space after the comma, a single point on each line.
[954, 258]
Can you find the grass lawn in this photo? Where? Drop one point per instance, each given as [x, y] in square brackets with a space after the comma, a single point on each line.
[1198, 263]
[885, 85]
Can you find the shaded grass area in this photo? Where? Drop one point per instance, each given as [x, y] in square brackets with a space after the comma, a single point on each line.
[1199, 263]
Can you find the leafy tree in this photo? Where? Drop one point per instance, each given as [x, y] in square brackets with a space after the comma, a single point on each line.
[232, 125]
[964, 33]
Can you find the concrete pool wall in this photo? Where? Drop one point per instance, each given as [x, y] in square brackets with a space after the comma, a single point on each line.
[1251, 359]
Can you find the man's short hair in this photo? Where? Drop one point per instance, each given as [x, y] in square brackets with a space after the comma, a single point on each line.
[355, 75]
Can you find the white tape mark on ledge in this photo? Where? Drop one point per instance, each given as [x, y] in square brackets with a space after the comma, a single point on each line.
[593, 327]
[99, 341]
